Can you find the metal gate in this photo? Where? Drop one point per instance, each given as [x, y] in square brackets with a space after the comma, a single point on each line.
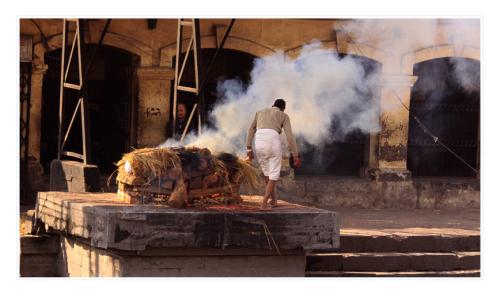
[451, 113]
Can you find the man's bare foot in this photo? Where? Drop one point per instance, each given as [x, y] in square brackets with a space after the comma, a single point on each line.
[274, 203]
[264, 206]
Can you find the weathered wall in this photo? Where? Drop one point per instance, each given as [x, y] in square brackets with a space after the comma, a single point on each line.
[328, 193]
[78, 259]
[261, 37]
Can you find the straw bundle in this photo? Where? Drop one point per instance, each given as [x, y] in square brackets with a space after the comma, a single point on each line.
[148, 163]
[249, 174]
[221, 170]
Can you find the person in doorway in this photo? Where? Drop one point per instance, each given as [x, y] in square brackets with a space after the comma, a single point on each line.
[266, 127]
[181, 121]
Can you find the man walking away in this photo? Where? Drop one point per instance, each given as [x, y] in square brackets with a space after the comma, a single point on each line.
[266, 127]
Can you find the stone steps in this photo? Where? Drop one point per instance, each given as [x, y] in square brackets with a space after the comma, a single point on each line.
[398, 255]
[388, 262]
[455, 273]
[38, 256]
[407, 243]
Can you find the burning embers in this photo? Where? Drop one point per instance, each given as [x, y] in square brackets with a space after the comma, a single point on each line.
[182, 176]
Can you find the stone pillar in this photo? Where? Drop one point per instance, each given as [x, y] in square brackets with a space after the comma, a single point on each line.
[35, 168]
[36, 110]
[154, 104]
[393, 137]
[371, 155]
[372, 139]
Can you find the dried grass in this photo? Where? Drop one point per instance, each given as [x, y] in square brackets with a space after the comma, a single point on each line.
[148, 163]
[152, 163]
[221, 170]
[249, 173]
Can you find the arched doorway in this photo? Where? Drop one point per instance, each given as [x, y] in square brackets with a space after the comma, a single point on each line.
[345, 156]
[112, 98]
[230, 64]
[446, 100]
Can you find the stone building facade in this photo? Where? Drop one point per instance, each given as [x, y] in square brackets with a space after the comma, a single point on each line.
[150, 71]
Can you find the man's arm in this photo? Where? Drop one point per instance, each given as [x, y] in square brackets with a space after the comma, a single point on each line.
[251, 132]
[250, 135]
[287, 127]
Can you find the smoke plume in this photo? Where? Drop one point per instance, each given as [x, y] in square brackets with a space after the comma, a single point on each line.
[318, 86]
[322, 88]
[397, 37]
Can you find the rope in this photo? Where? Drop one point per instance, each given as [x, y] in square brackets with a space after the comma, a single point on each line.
[268, 234]
[433, 136]
[420, 124]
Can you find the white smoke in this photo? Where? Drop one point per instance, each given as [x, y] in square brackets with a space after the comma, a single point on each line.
[394, 36]
[399, 36]
[467, 74]
[318, 87]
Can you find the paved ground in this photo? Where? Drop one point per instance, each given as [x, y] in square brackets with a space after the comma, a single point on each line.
[413, 221]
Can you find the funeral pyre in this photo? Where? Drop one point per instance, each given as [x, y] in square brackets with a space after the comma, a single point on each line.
[182, 176]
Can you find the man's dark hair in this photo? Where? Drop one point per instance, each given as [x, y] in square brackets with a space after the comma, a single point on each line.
[280, 104]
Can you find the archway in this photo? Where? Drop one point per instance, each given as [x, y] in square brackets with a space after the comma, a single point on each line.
[349, 155]
[446, 99]
[112, 98]
[230, 64]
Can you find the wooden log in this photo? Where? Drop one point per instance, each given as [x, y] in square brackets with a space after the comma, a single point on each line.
[194, 193]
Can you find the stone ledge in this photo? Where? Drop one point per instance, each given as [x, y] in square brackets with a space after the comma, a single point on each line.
[332, 192]
[156, 73]
[108, 223]
[389, 174]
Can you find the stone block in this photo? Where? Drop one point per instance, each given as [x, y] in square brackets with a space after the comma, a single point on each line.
[48, 244]
[383, 174]
[74, 176]
[324, 263]
[108, 223]
[183, 263]
[38, 265]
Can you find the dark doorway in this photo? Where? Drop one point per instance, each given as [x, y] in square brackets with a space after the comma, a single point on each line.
[230, 64]
[112, 98]
[446, 99]
[348, 155]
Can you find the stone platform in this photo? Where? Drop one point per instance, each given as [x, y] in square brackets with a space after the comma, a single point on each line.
[334, 192]
[100, 236]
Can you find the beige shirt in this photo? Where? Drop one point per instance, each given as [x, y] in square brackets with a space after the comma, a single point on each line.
[273, 118]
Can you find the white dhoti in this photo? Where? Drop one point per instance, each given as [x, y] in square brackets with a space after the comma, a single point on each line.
[268, 152]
